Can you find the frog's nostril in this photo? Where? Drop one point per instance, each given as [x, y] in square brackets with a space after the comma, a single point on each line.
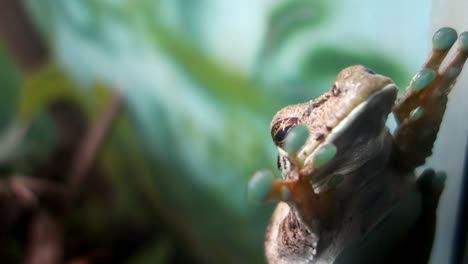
[335, 90]
[369, 70]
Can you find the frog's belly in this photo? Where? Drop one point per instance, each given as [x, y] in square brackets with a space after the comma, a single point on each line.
[372, 222]
[365, 228]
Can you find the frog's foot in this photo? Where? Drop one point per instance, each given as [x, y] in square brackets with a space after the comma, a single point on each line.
[431, 184]
[297, 189]
[417, 245]
[420, 110]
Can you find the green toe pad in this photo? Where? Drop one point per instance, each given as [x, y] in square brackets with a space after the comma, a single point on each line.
[296, 138]
[259, 186]
[324, 155]
[422, 79]
[464, 41]
[444, 38]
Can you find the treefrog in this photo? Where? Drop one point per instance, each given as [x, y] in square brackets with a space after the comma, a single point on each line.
[349, 192]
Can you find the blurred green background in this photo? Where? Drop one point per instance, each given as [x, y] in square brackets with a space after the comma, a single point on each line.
[199, 81]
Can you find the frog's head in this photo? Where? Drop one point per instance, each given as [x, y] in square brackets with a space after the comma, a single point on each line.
[351, 115]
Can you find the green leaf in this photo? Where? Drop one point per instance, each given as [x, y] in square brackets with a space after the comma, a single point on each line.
[10, 84]
[291, 18]
[157, 253]
[217, 79]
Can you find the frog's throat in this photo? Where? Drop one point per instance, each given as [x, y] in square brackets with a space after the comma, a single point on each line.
[343, 124]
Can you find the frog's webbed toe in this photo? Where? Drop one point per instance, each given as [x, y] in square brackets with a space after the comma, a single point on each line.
[420, 110]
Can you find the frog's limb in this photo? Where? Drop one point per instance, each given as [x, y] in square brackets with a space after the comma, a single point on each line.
[431, 184]
[298, 193]
[420, 110]
[417, 246]
[310, 207]
[297, 189]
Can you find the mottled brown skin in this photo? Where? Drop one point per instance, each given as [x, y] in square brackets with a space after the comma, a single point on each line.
[352, 86]
[363, 157]
[292, 240]
[378, 191]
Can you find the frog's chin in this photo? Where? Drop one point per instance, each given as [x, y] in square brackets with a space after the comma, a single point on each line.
[358, 137]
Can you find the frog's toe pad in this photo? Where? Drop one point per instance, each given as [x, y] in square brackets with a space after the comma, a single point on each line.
[324, 154]
[259, 186]
[444, 38]
[432, 181]
[296, 138]
[422, 79]
[464, 41]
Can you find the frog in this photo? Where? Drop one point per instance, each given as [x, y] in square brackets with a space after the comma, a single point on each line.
[350, 191]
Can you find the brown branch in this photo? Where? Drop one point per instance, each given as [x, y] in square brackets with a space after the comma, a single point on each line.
[45, 240]
[29, 191]
[20, 35]
[93, 139]
[46, 243]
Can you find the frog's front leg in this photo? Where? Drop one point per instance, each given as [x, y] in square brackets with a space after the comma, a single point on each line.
[420, 110]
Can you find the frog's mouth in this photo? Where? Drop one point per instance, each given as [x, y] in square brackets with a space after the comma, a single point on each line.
[357, 136]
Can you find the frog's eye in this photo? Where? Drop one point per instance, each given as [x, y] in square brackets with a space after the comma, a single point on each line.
[280, 129]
